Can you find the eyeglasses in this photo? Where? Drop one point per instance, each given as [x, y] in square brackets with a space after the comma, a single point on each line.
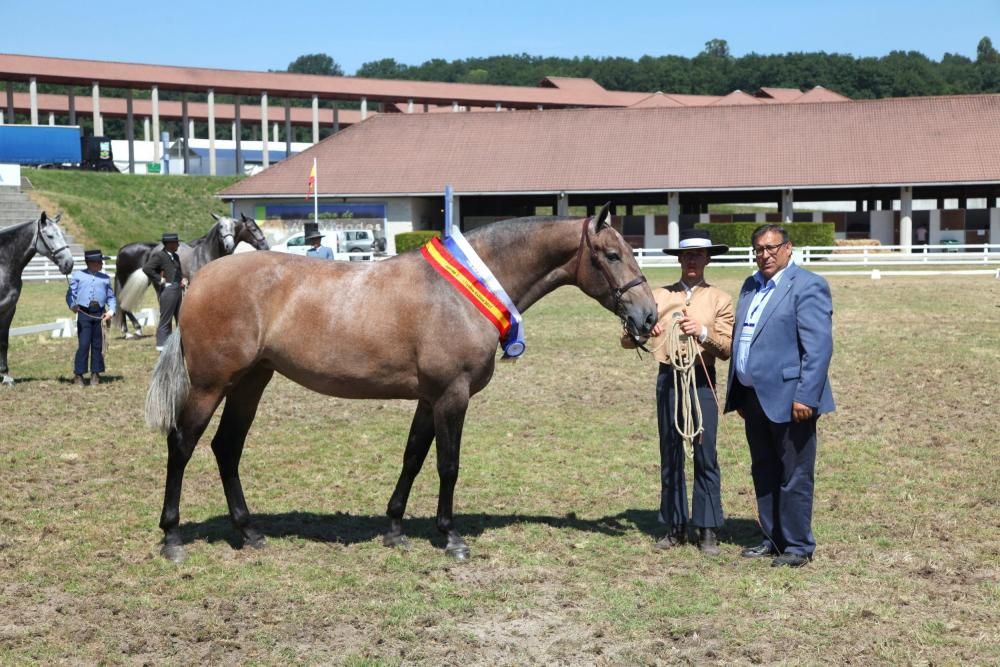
[769, 249]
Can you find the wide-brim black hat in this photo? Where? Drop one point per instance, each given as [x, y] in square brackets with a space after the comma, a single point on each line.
[94, 256]
[697, 239]
[169, 237]
[312, 231]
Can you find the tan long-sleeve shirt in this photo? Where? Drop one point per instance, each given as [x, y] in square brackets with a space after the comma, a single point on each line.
[710, 306]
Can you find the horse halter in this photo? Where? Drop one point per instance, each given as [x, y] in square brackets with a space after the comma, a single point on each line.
[617, 292]
[45, 242]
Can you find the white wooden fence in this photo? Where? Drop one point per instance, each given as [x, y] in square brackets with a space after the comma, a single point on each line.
[834, 257]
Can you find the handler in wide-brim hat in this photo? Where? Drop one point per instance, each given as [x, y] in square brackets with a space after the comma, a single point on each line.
[314, 239]
[690, 310]
[163, 268]
[92, 298]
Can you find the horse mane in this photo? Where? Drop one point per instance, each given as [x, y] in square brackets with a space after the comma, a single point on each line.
[13, 229]
[514, 229]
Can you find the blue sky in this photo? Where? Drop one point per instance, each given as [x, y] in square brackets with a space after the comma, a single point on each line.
[255, 35]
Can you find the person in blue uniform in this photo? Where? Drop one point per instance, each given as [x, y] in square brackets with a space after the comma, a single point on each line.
[314, 239]
[92, 298]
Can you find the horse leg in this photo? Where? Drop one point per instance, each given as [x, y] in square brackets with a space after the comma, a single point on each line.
[418, 443]
[181, 442]
[6, 319]
[237, 416]
[449, 418]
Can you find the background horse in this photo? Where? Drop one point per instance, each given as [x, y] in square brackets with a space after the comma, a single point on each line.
[391, 329]
[18, 244]
[221, 239]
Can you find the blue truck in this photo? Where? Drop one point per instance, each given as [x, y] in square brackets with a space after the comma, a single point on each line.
[54, 146]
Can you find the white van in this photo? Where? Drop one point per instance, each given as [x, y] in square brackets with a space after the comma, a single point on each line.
[355, 240]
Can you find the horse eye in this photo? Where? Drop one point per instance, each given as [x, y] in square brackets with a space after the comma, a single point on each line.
[613, 256]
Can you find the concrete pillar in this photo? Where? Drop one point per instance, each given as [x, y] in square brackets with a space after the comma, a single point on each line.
[994, 225]
[212, 164]
[562, 204]
[787, 205]
[155, 102]
[33, 95]
[409, 105]
[185, 134]
[364, 108]
[275, 135]
[454, 106]
[130, 130]
[145, 128]
[906, 217]
[10, 103]
[238, 135]
[95, 96]
[263, 130]
[288, 127]
[336, 118]
[1, 117]
[52, 118]
[934, 233]
[499, 108]
[673, 219]
[315, 119]
[71, 98]
[191, 133]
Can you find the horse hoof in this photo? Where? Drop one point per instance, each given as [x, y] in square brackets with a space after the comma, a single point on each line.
[173, 552]
[458, 551]
[257, 542]
[7, 381]
[396, 540]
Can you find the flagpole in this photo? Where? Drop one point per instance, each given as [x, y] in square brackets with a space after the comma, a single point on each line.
[315, 194]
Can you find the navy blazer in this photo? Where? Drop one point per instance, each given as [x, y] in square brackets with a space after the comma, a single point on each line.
[791, 347]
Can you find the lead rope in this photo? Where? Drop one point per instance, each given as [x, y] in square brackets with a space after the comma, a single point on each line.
[683, 354]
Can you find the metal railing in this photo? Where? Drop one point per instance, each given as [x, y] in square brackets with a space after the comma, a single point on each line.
[835, 256]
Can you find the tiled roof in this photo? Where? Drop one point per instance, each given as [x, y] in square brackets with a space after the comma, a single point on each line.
[905, 141]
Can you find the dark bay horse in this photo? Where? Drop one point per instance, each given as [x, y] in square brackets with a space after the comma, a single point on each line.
[324, 325]
[221, 239]
[18, 244]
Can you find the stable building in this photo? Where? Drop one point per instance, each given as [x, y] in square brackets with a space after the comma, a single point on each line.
[898, 170]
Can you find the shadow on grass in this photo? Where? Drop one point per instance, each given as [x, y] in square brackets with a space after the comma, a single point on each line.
[344, 528]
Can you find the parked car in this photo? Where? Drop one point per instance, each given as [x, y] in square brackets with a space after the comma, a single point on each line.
[340, 241]
[295, 244]
[950, 242]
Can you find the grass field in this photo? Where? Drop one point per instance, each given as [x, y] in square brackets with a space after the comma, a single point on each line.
[557, 498]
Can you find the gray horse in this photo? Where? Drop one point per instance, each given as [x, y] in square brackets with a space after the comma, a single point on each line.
[18, 244]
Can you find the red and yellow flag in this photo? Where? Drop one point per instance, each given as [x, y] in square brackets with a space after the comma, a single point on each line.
[312, 181]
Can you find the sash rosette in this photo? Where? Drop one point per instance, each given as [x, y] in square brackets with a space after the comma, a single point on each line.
[459, 264]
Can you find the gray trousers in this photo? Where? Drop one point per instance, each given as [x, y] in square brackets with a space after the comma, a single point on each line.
[170, 308]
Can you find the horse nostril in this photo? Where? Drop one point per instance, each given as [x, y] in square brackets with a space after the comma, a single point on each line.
[650, 322]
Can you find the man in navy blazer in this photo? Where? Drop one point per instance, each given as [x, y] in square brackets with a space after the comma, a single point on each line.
[779, 384]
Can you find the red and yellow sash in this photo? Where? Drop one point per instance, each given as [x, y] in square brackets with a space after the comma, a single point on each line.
[445, 263]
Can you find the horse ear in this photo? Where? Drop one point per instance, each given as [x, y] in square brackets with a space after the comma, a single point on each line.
[55, 220]
[602, 217]
[243, 217]
[42, 218]
[216, 218]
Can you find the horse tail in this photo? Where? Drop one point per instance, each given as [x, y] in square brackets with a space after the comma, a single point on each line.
[168, 390]
[131, 293]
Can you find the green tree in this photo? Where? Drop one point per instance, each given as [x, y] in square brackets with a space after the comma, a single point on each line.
[985, 53]
[315, 63]
[717, 47]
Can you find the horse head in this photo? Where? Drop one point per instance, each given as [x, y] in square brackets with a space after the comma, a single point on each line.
[247, 231]
[225, 228]
[50, 242]
[613, 277]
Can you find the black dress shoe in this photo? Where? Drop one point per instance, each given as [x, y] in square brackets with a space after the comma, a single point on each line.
[674, 538]
[790, 560]
[759, 551]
